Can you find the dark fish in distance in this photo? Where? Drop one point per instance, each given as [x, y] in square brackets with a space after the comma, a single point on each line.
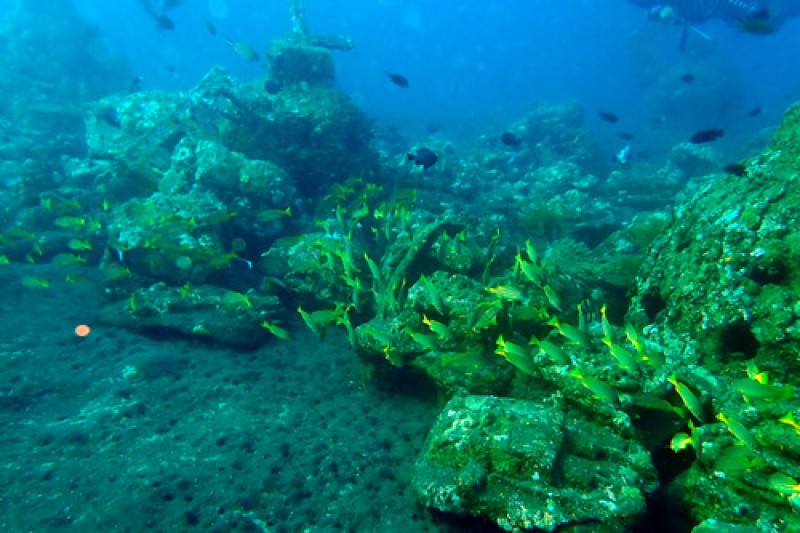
[156, 9]
[163, 22]
[706, 136]
[423, 157]
[736, 169]
[155, 12]
[136, 85]
[398, 79]
[509, 139]
[687, 78]
[608, 116]
[624, 135]
[754, 112]
[210, 27]
[433, 127]
[273, 86]
[110, 116]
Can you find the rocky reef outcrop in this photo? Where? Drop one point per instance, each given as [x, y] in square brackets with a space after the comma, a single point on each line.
[720, 290]
[532, 467]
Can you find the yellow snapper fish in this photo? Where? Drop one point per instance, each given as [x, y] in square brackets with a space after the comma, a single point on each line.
[279, 332]
[68, 260]
[33, 282]
[79, 245]
[244, 50]
[506, 292]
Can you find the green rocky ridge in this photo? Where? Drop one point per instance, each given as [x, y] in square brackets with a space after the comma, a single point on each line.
[720, 290]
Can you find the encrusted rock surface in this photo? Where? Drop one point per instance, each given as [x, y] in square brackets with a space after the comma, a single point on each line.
[526, 465]
[726, 273]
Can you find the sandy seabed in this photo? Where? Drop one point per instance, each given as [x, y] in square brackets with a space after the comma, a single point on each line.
[122, 432]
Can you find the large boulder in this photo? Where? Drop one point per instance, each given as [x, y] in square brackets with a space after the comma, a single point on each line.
[719, 292]
[555, 133]
[205, 312]
[724, 278]
[531, 466]
[313, 132]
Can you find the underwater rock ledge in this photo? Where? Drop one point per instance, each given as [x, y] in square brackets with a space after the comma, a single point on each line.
[720, 291]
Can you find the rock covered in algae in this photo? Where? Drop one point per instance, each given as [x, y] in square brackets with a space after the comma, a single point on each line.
[530, 466]
[43, 92]
[717, 526]
[204, 311]
[135, 134]
[311, 131]
[255, 190]
[720, 291]
[555, 131]
[694, 159]
[174, 238]
[294, 62]
[455, 360]
[726, 272]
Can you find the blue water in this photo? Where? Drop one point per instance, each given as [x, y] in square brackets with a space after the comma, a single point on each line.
[475, 66]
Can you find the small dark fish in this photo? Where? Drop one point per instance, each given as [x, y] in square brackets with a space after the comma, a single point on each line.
[625, 136]
[608, 116]
[423, 157]
[687, 78]
[398, 79]
[736, 169]
[210, 27]
[135, 85]
[110, 116]
[273, 86]
[754, 112]
[706, 136]
[169, 68]
[433, 127]
[163, 22]
[509, 139]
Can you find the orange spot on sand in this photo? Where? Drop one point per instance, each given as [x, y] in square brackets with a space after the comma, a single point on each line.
[83, 330]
